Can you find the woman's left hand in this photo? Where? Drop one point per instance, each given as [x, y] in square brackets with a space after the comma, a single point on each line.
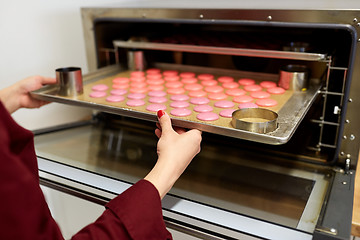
[18, 95]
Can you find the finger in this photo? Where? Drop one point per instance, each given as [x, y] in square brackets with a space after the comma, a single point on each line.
[164, 121]
[158, 125]
[47, 80]
[158, 132]
[195, 133]
[179, 130]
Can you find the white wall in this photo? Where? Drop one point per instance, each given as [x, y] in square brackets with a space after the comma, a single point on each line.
[36, 37]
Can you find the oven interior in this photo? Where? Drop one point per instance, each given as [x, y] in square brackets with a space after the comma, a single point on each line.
[317, 138]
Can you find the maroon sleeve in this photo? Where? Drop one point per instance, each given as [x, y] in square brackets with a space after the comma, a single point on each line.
[24, 213]
[134, 214]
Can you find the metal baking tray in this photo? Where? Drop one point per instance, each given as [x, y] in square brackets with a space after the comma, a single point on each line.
[290, 114]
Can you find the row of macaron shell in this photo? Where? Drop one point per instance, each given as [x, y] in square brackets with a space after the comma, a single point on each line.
[154, 80]
[212, 92]
[179, 103]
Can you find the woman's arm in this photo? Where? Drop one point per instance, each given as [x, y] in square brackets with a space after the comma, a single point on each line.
[176, 148]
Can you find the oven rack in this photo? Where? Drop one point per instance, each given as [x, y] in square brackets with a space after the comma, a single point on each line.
[325, 92]
[140, 45]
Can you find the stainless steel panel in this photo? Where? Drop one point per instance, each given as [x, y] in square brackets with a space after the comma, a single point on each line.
[238, 185]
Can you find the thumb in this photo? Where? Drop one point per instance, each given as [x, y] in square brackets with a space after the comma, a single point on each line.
[164, 121]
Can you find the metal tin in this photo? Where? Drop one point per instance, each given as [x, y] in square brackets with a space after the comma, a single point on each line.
[136, 60]
[240, 120]
[70, 81]
[294, 77]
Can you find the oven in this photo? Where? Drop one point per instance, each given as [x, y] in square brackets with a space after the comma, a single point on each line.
[295, 181]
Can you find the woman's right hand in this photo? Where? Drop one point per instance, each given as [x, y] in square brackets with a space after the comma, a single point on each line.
[176, 148]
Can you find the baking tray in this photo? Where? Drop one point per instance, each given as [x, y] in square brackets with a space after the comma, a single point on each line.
[291, 109]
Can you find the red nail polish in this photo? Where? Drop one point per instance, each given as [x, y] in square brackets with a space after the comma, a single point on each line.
[160, 113]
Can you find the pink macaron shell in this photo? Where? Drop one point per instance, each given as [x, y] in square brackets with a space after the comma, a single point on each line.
[217, 96]
[155, 87]
[260, 94]
[207, 116]
[227, 113]
[138, 84]
[153, 71]
[97, 94]
[172, 78]
[137, 74]
[157, 99]
[180, 97]
[189, 80]
[197, 93]
[187, 75]
[243, 99]
[179, 104]
[115, 98]
[138, 90]
[193, 87]
[170, 73]
[214, 89]
[155, 81]
[157, 94]
[175, 84]
[137, 79]
[225, 79]
[120, 80]
[248, 105]
[252, 88]
[276, 90]
[135, 102]
[100, 87]
[153, 76]
[224, 104]
[230, 85]
[209, 83]
[155, 107]
[136, 96]
[266, 102]
[121, 86]
[246, 81]
[176, 90]
[235, 92]
[268, 84]
[118, 92]
[199, 100]
[205, 76]
[203, 108]
[181, 112]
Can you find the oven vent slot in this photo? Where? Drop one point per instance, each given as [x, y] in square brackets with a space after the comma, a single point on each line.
[330, 120]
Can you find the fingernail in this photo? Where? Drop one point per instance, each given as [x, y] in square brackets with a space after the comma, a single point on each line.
[160, 113]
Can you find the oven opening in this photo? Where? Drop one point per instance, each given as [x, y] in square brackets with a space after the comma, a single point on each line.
[317, 138]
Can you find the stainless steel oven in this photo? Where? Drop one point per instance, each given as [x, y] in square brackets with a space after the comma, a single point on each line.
[295, 182]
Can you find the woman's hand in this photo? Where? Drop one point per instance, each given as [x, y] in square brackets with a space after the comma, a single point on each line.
[175, 148]
[18, 95]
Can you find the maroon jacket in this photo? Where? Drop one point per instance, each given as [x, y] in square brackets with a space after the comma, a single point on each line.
[24, 214]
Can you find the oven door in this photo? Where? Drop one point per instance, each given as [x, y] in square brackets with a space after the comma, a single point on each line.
[227, 192]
